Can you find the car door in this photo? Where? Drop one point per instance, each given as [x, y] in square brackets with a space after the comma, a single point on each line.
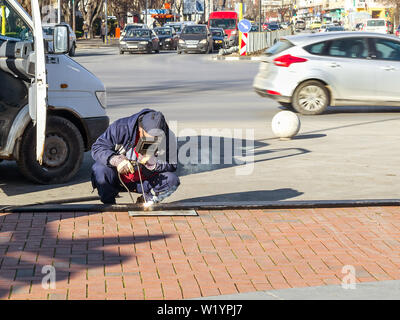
[38, 90]
[385, 59]
[349, 69]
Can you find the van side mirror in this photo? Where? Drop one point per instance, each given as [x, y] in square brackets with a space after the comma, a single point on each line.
[61, 39]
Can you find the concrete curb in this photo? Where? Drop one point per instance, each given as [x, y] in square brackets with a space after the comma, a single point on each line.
[245, 205]
[228, 58]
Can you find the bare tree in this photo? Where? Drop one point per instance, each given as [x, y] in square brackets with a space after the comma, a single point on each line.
[91, 10]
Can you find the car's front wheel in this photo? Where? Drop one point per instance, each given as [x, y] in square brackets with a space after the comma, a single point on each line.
[63, 152]
[311, 98]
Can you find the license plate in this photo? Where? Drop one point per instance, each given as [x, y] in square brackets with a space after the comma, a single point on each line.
[133, 46]
[192, 46]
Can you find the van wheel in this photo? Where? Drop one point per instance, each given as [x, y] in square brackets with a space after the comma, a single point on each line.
[310, 98]
[63, 152]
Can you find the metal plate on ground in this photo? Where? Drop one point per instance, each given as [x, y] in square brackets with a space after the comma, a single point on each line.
[163, 213]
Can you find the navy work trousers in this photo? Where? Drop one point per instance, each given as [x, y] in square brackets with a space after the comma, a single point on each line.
[106, 180]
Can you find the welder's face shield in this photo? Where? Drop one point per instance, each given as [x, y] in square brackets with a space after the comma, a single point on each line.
[151, 143]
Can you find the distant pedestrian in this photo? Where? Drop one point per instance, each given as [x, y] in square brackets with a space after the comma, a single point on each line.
[103, 32]
[85, 30]
[154, 24]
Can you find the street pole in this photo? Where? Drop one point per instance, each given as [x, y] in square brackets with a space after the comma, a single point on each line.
[3, 20]
[259, 18]
[73, 16]
[145, 13]
[58, 11]
[106, 26]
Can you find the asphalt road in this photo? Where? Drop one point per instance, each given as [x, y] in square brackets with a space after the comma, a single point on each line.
[347, 153]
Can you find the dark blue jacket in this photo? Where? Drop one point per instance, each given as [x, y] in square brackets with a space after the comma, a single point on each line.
[121, 135]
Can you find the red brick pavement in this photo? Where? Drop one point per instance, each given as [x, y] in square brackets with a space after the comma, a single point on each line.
[114, 256]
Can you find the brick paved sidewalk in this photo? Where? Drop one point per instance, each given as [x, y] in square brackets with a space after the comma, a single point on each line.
[114, 256]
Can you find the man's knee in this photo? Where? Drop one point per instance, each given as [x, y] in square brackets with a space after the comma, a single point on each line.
[172, 179]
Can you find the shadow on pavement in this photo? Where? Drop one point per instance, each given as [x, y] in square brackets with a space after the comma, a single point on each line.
[196, 154]
[30, 236]
[259, 195]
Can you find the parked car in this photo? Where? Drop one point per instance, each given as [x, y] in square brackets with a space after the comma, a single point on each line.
[378, 25]
[315, 25]
[219, 38]
[300, 25]
[168, 38]
[271, 26]
[195, 37]
[324, 26]
[176, 25]
[359, 26]
[398, 31]
[139, 40]
[48, 30]
[334, 29]
[255, 27]
[130, 26]
[312, 71]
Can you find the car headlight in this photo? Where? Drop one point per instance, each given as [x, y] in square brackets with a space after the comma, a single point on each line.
[168, 39]
[203, 41]
[143, 42]
[182, 41]
[102, 98]
[122, 42]
[233, 32]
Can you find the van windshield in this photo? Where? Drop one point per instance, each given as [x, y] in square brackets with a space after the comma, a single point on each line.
[223, 23]
[375, 23]
[11, 24]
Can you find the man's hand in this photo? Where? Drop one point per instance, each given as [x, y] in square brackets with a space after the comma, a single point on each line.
[123, 165]
[148, 161]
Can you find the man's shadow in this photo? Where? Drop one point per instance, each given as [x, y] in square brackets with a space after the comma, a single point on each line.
[30, 236]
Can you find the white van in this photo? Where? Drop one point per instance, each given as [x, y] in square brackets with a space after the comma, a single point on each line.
[45, 129]
[376, 25]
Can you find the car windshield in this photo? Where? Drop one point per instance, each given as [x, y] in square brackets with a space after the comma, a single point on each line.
[375, 23]
[194, 30]
[163, 32]
[217, 33]
[223, 23]
[127, 28]
[335, 29]
[177, 27]
[138, 33]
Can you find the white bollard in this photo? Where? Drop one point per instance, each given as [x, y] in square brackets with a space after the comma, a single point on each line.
[285, 125]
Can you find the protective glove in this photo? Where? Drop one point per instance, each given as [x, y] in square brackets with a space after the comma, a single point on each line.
[123, 165]
[148, 161]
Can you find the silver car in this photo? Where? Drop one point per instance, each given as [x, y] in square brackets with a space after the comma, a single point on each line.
[312, 71]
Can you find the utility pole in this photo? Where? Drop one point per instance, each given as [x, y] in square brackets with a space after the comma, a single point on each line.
[145, 14]
[58, 11]
[106, 18]
[73, 16]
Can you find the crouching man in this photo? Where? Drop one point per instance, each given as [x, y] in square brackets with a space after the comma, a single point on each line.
[119, 165]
